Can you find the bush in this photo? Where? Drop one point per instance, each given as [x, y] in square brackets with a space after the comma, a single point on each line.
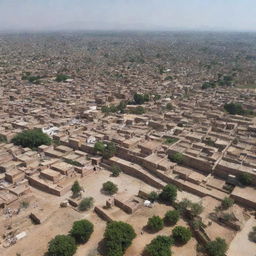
[109, 187]
[177, 158]
[140, 98]
[170, 141]
[3, 138]
[118, 236]
[99, 146]
[196, 209]
[107, 149]
[62, 245]
[61, 78]
[168, 194]
[159, 246]
[169, 106]
[82, 231]
[153, 196]
[181, 235]
[218, 247]
[226, 203]
[31, 138]
[115, 171]
[171, 217]
[76, 189]
[138, 110]
[245, 179]
[86, 204]
[155, 223]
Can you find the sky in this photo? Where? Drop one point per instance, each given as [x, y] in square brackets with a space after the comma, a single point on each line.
[37, 15]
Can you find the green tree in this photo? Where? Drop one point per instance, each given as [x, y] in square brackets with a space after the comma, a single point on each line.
[109, 151]
[234, 108]
[138, 110]
[177, 158]
[85, 204]
[226, 203]
[62, 245]
[155, 223]
[181, 235]
[153, 196]
[169, 106]
[109, 187]
[115, 170]
[169, 193]
[218, 247]
[245, 179]
[82, 231]
[99, 146]
[118, 236]
[61, 78]
[76, 189]
[196, 209]
[159, 246]
[171, 217]
[138, 98]
[31, 138]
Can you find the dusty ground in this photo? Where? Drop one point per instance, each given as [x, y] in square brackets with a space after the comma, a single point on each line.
[241, 245]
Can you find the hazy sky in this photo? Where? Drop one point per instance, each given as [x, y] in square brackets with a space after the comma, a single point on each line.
[128, 14]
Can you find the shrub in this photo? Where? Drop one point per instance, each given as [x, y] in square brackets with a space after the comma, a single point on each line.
[169, 106]
[196, 209]
[226, 203]
[73, 162]
[138, 110]
[99, 146]
[155, 223]
[3, 138]
[86, 204]
[171, 217]
[115, 171]
[31, 138]
[218, 247]
[159, 246]
[153, 196]
[109, 187]
[76, 189]
[177, 158]
[61, 78]
[170, 140]
[181, 235]
[24, 204]
[107, 149]
[62, 245]
[82, 231]
[168, 194]
[118, 236]
[245, 179]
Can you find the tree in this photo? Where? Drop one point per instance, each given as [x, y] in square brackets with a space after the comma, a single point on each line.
[61, 78]
[196, 209]
[76, 189]
[62, 245]
[31, 138]
[138, 110]
[234, 108]
[226, 203]
[171, 217]
[218, 247]
[153, 196]
[99, 146]
[155, 223]
[118, 236]
[177, 158]
[115, 171]
[86, 204]
[181, 235]
[159, 246]
[170, 140]
[109, 151]
[169, 193]
[169, 106]
[138, 98]
[109, 187]
[82, 231]
[245, 179]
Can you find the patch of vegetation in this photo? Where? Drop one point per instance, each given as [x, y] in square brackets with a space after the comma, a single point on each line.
[24, 204]
[159, 246]
[62, 245]
[109, 187]
[252, 235]
[140, 98]
[218, 247]
[170, 141]
[3, 139]
[116, 170]
[61, 78]
[76, 189]
[237, 109]
[168, 194]
[245, 179]
[31, 139]
[153, 196]
[118, 236]
[171, 217]
[32, 79]
[177, 158]
[226, 203]
[114, 108]
[107, 149]
[169, 106]
[81, 231]
[138, 110]
[181, 235]
[73, 162]
[155, 224]
[86, 204]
